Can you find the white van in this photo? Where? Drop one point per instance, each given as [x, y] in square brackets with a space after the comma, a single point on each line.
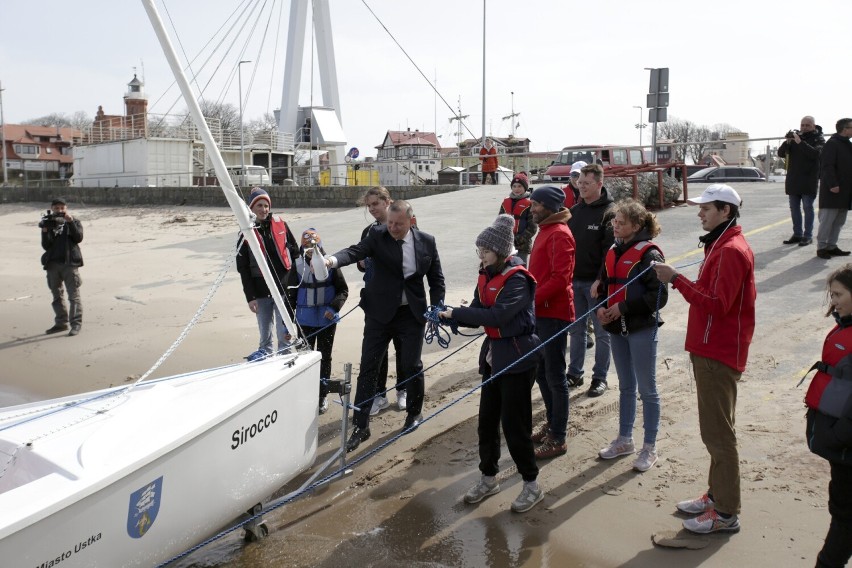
[254, 175]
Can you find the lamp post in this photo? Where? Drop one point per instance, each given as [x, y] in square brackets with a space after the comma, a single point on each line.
[242, 146]
[640, 125]
[3, 138]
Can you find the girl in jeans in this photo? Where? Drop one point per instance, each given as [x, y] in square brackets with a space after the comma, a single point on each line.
[631, 318]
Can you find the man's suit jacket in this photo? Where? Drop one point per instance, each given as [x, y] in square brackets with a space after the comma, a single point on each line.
[383, 294]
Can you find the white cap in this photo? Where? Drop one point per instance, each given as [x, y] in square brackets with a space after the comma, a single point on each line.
[577, 166]
[717, 192]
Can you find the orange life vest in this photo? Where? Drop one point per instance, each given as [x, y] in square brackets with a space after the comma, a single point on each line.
[516, 210]
[490, 289]
[619, 273]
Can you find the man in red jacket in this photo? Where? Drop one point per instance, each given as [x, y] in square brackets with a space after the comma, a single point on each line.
[718, 335]
[552, 266]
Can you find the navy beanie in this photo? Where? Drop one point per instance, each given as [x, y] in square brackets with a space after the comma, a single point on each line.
[256, 194]
[550, 196]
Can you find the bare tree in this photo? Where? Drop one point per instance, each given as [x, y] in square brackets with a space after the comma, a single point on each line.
[227, 114]
[263, 125]
[678, 131]
[701, 137]
[80, 120]
[54, 119]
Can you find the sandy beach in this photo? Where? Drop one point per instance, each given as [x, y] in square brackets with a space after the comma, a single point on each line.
[147, 270]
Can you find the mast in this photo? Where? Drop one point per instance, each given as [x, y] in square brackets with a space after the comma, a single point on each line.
[238, 206]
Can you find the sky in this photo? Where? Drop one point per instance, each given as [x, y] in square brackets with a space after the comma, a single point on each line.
[577, 70]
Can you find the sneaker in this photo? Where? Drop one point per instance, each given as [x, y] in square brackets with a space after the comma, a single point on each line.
[550, 449]
[618, 447]
[573, 380]
[529, 497]
[540, 434]
[323, 405]
[710, 522]
[696, 506]
[793, 240]
[806, 241]
[401, 400]
[480, 491]
[646, 459]
[590, 341]
[379, 403]
[597, 388]
[75, 329]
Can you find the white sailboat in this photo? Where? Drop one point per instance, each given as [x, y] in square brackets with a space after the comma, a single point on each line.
[132, 476]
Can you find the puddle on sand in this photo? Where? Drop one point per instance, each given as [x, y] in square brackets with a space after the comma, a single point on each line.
[408, 515]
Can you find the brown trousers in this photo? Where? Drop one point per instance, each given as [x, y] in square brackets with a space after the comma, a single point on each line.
[716, 386]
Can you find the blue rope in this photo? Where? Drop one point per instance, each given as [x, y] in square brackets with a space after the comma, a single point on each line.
[435, 329]
[396, 437]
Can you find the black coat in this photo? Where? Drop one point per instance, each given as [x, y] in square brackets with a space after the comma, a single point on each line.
[836, 171]
[63, 246]
[802, 162]
[514, 314]
[591, 225]
[383, 293]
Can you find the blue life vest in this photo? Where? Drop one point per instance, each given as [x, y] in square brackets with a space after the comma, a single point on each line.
[313, 298]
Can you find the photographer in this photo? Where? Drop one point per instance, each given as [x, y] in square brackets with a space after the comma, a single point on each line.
[61, 235]
[801, 150]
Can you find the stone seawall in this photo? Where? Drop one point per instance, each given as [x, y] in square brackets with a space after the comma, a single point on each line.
[283, 196]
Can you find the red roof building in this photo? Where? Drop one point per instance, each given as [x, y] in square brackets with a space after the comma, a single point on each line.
[39, 152]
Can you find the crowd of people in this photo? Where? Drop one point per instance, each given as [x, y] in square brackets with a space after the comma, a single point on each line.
[556, 264]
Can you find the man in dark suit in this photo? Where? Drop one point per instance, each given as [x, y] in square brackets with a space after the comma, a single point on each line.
[394, 302]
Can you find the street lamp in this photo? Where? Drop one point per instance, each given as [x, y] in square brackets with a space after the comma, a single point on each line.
[3, 139]
[242, 146]
[639, 124]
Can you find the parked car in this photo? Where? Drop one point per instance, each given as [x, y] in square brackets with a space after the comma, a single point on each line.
[607, 156]
[725, 174]
[254, 175]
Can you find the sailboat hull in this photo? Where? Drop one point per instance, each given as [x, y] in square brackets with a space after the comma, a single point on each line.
[134, 479]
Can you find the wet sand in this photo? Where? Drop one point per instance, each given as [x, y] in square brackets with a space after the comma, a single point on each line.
[147, 271]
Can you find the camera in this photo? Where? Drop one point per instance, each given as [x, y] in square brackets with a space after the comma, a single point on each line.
[790, 134]
[51, 220]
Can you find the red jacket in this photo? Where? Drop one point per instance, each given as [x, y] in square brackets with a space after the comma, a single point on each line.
[721, 301]
[552, 265]
[488, 159]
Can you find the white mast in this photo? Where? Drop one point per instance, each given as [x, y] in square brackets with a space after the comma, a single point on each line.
[238, 206]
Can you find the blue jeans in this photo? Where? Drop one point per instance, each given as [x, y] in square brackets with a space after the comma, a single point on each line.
[266, 311]
[583, 302]
[797, 202]
[551, 377]
[635, 358]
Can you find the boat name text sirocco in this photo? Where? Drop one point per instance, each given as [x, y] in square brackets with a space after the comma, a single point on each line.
[243, 435]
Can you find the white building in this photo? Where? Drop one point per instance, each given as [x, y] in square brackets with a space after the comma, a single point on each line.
[143, 149]
[407, 157]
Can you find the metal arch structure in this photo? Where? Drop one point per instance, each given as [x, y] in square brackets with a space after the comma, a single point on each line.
[290, 110]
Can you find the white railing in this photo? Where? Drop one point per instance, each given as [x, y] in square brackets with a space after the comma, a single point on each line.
[178, 127]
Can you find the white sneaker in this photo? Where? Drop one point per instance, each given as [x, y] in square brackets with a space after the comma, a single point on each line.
[696, 506]
[379, 403]
[646, 459]
[618, 447]
[401, 399]
[710, 522]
